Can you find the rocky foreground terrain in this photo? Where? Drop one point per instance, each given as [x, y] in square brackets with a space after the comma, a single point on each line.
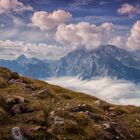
[48, 112]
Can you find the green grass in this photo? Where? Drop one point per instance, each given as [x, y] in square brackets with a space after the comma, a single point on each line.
[60, 101]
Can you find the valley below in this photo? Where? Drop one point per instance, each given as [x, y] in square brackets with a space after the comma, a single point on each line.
[119, 92]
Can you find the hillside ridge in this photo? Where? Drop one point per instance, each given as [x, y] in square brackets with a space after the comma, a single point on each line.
[48, 112]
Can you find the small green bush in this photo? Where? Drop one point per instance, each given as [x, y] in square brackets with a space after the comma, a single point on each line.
[72, 127]
[14, 75]
[82, 119]
[120, 111]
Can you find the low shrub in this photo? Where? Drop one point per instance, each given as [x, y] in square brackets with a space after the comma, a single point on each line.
[14, 75]
[3, 83]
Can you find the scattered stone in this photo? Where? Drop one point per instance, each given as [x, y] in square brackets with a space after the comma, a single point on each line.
[29, 86]
[17, 134]
[18, 108]
[106, 125]
[58, 120]
[67, 104]
[14, 99]
[137, 120]
[113, 123]
[81, 107]
[111, 108]
[115, 133]
[42, 93]
[98, 102]
[90, 115]
[110, 114]
[37, 128]
[58, 109]
[13, 81]
[16, 81]
[117, 137]
[16, 104]
[50, 130]
[58, 103]
[28, 132]
[52, 114]
[81, 112]
[45, 91]
[131, 136]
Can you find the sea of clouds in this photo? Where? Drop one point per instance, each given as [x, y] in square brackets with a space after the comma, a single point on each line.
[120, 92]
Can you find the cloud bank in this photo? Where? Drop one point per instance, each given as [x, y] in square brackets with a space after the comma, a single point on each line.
[65, 38]
[114, 91]
[133, 41]
[57, 30]
[84, 34]
[128, 9]
[48, 21]
[7, 6]
[15, 48]
[118, 41]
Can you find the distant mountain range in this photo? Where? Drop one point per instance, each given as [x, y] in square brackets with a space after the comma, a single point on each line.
[103, 61]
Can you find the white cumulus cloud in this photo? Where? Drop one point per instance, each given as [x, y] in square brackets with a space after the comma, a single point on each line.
[13, 6]
[118, 41]
[128, 9]
[133, 41]
[84, 34]
[47, 21]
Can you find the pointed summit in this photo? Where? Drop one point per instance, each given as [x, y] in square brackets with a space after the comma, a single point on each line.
[22, 58]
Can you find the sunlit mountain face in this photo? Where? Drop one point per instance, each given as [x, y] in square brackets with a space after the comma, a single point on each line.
[84, 39]
[104, 61]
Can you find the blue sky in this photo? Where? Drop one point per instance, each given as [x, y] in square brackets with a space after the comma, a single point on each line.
[48, 23]
[86, 8]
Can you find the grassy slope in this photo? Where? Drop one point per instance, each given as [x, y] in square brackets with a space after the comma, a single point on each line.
[106, 121]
